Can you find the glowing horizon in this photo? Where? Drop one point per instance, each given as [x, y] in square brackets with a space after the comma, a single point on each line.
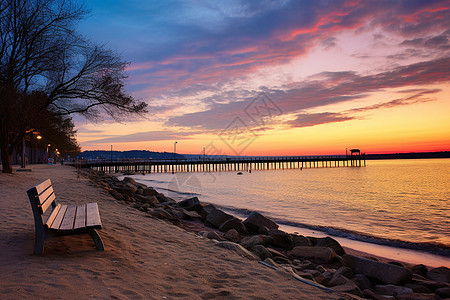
[284, 78]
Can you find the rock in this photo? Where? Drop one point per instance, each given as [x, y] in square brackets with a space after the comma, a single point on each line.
[369, 294]
[417, 288]
[123, 189]
[256, 240]
[362, 282]
[232, 235]
[238, 249]
[420, 270]
[129, 180]
[149, 192]
[392, 290]
[116, 195]
[132, 187]
[321, 269]
[386, 273]
[191, 215]
[160, 213]
[163, 199]
[147, 199]
[216, 218]
[263, 230]
[276, 253]
[305, 264]
[300, 240]
[432, 285]
[262, 252]
[345, 271]
[317, 254]
[337, 280]
[416, 296]
[443, 292]
[212, 235]
[191, 204]
[331, 243]
[206, 210]
[256, 220]
[234, 223]
[441, 274]
[281, 239]
[348, 287]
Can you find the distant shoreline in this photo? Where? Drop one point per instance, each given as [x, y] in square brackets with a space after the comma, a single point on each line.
[412, 155]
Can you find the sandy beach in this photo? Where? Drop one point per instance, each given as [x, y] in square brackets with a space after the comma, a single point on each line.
[144, 258]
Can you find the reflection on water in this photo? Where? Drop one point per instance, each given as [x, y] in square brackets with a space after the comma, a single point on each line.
[407, 200]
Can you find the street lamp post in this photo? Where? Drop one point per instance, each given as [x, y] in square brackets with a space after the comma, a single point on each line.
[47, 152]
[175, 147]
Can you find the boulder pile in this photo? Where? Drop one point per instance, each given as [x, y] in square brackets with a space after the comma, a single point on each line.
[319, 261]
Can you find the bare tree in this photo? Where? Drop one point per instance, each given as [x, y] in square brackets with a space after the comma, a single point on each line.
[40, 51]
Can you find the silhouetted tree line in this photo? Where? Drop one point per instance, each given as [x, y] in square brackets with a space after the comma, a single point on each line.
[48, 72]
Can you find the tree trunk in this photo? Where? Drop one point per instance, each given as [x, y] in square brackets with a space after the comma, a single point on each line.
[6, 158]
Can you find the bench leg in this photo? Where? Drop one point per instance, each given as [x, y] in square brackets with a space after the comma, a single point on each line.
[39, 242]
[97, 240]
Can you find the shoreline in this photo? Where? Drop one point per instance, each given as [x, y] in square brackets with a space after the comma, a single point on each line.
[144, 257]
[385, 252]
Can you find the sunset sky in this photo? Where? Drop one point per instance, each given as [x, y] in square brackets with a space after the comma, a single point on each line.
[277, 77]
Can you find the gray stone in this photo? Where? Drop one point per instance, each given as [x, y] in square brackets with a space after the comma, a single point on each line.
[386, 273]
[232, 235]
[362, 282]
[164, 199]
[420, 270]
[160, 213]
[300, 240]
[149, 192]
[443, 292]
[147, 199]
[212, 235]
[256, 220]
[416, 296]
[262, 252]
[392, 290]
[331, 243]
[316, 254]
[116, 195]
[129, 180]
[369, 294]
[256, 240]
[281, 239]
[238, 249]
[345, 271]
[441, 274]
[337, 280]
[276, 253]
[234, 223]
[216, 218]
[348, 287]
[191, 215]
[191, 204]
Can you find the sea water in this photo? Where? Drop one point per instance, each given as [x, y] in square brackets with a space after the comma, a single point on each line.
[403, 204]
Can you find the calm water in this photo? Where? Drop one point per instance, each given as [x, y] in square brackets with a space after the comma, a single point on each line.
[403, 203]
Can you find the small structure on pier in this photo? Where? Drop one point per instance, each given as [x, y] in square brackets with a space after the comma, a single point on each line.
[355, 152]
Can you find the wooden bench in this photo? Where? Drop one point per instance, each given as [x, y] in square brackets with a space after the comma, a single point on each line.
[63, 219]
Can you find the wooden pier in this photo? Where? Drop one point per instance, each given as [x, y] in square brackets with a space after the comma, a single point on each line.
[223, 164]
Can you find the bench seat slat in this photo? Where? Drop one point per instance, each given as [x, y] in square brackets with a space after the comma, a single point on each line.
[52, 216]
[80, 218]
[69, 217]
[93, 216]
[59, 218]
